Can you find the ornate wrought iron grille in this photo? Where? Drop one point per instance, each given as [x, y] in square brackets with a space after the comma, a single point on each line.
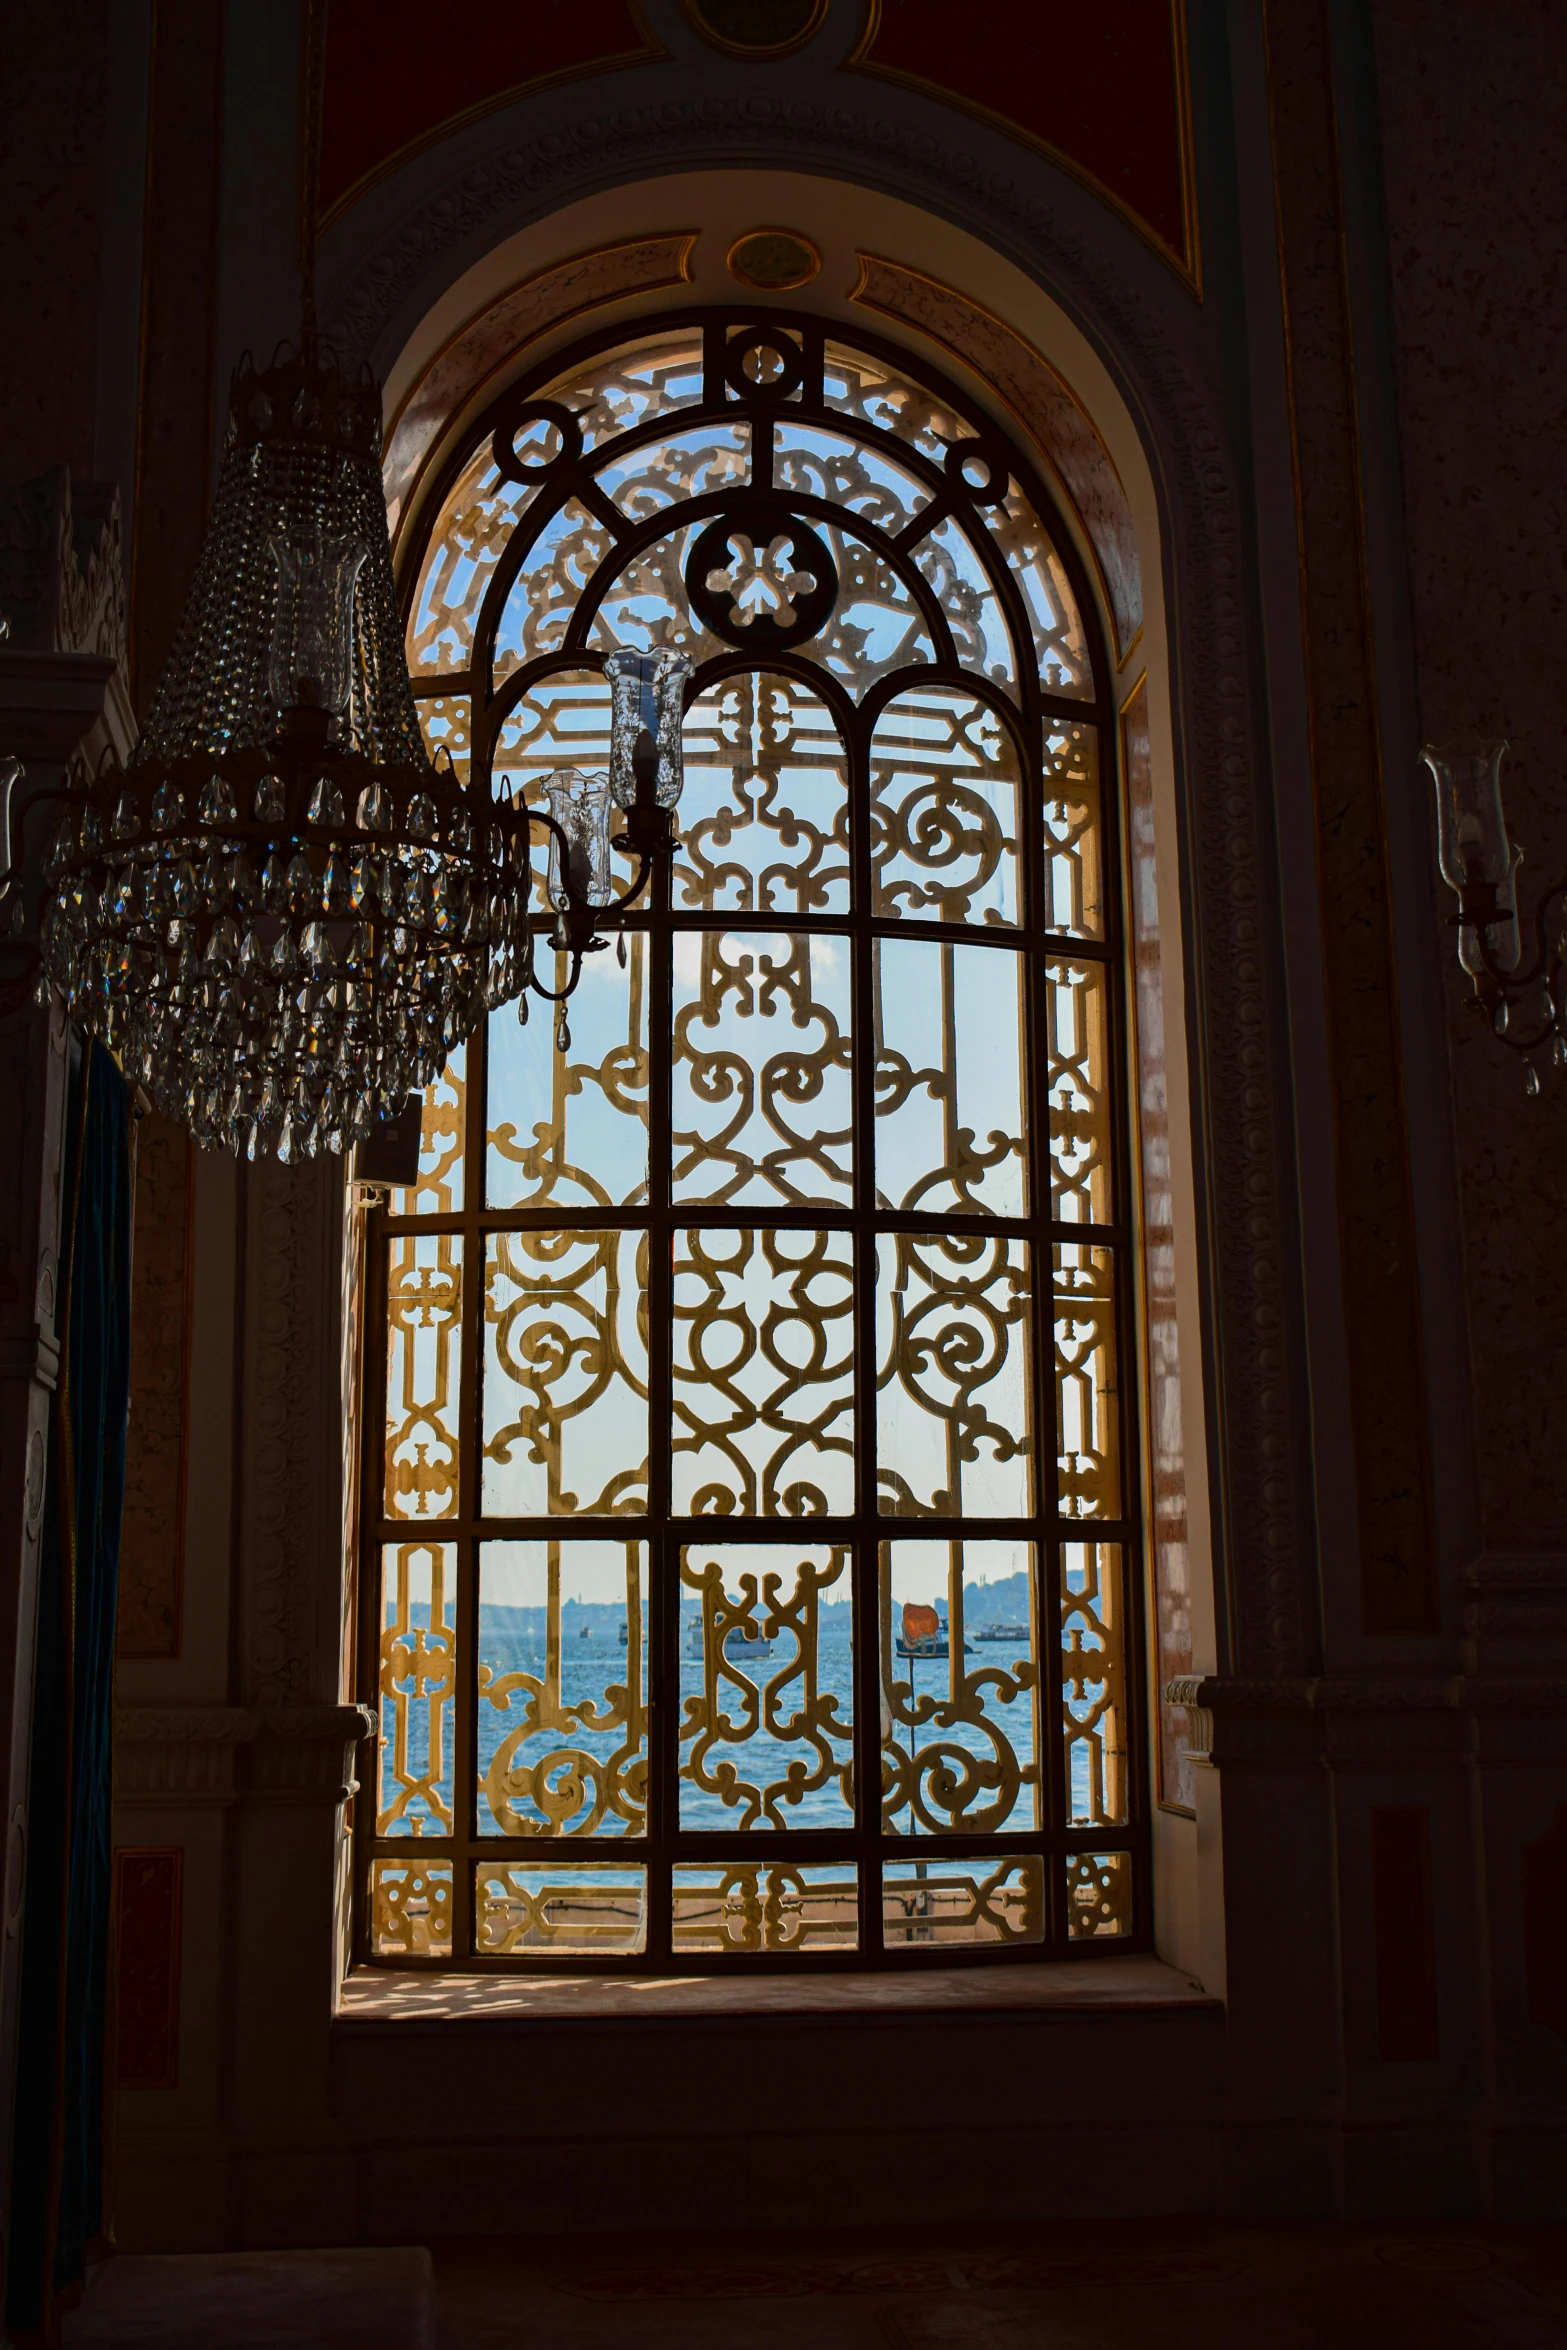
[726, 1600]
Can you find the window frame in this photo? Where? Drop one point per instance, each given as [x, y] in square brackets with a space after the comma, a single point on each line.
[866, 1844]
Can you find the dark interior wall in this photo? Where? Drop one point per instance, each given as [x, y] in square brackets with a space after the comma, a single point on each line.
[52, 222]
[1473, 102]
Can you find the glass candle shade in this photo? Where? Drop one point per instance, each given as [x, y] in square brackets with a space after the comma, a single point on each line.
[580, 806]
[311, 665]
[1473, 848]
[649, 696]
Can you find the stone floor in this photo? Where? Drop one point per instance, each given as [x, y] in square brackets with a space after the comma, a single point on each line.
[1179, 2285]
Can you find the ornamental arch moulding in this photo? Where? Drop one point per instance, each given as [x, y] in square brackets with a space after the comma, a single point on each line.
[1090, 354]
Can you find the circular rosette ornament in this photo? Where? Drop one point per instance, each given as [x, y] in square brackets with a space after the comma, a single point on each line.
[762, 579]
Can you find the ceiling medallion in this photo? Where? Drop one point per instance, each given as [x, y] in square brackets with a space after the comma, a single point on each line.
[773, 260]
[756, 28]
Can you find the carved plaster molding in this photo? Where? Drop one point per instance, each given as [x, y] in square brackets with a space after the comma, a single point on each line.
[292, 1417]
[1028, 212]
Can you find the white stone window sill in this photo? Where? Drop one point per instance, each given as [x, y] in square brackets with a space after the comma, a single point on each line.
[375, 1996]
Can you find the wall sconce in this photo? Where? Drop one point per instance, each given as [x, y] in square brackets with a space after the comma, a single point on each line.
[1480, 864]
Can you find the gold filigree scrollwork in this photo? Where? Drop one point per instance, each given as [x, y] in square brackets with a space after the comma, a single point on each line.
[1088, 1438]
[764, 818]
[1099, 1891]
[424, 1325]
[481, 513]
[764, 1373]
[959, 1733]
[411, 1908]
[929, 1901]
[562, 559]
[418, 1683]
[567, 1764]
[951, 1763]
[1093, 1683]
[1078, 1078]
[1074, 864]
[565, 1376]
[569, 1129]
[762, 1107]
[953, 1315]
[768, 1710]
[949, 1028]
[579, 1913]
[944, 809]
[443, 1124]
[765, 1906]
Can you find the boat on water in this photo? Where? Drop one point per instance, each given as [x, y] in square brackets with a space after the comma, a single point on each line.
[925, 1634]
[742, 1646]
[1012, 1632]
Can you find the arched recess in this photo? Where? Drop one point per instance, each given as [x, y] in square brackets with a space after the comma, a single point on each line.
[890, 267]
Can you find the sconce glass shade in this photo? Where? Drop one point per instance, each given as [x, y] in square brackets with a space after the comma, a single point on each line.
[311, 667]
[1473, 848]
[649, 696]
[580, 806]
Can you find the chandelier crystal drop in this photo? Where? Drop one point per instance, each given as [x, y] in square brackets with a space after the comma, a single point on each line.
[282, 917]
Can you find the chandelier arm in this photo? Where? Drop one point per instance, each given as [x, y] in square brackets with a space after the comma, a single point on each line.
[1496, 991]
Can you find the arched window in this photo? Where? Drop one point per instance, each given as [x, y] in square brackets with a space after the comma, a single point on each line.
[750, 1506]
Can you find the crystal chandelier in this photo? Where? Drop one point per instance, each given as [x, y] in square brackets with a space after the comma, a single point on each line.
[282, 916]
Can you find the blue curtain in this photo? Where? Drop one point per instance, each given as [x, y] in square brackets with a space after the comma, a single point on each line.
[57, 2206]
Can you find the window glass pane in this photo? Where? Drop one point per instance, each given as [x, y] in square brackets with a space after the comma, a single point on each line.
[565, 1373]
[949, 1078]
[766, 1905]
[1093, 1682]
[949, 1903]
[960, 1682]
[443, 1127]
[763, 1373]
[423, 1367]
[952, 1340]
[569, 1129]
[764, 815]
[583, 1912]
[411, 1908]
[631, 387]
[418, 1685]
[480, 516]
[766, 1687]
[762, 1107]
[1087, 1403]
[1074, 863]
[1060, 643]
[944, 809]
[687, 465]
[878, 394]
[1078, 1077]
[562, 1689]
[1099, 1895]
[981, 638]
[816, 463]
[557, 567]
